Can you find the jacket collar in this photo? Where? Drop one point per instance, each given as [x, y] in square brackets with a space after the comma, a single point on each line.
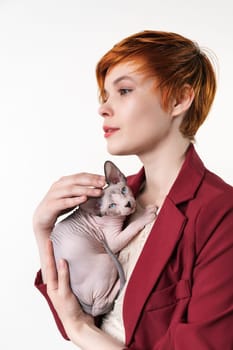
[163, 238]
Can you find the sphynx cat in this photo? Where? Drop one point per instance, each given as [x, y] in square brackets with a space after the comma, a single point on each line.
[90, 238]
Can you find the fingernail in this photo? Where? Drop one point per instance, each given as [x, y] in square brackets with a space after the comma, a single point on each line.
[61, 264]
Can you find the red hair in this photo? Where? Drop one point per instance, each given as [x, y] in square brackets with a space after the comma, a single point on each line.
[174, 61]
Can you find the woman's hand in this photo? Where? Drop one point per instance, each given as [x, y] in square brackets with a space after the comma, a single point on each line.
[63, 196]
[79, 326]
[61, 295]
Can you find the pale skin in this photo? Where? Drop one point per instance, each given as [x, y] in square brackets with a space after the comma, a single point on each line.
[132, 107]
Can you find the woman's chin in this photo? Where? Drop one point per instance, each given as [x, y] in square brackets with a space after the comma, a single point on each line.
[117, 151]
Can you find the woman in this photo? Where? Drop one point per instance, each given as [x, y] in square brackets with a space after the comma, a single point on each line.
[156, 89]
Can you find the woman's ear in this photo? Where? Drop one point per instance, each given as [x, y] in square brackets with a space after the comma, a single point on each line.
[182, 103]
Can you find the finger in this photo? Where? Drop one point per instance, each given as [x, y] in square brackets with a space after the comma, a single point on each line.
[64, 205]
[70, 191]
[84, 179]
[63, 277]
[51, 270]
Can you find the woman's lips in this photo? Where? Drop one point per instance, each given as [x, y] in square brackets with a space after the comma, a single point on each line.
[109, 131]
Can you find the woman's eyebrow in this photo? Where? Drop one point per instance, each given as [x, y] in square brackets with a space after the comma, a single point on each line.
[123, 77]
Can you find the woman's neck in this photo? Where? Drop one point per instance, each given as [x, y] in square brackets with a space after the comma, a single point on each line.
[161, 169]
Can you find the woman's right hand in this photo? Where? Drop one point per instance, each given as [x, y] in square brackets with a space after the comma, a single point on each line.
[63, 196]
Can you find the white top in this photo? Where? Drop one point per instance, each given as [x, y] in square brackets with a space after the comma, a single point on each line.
[113, 321]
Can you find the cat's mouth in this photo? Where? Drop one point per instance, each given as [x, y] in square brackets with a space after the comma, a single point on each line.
[131, 206]
[128, 205]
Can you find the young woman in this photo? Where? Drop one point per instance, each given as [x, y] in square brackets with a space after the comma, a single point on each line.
[156, 89]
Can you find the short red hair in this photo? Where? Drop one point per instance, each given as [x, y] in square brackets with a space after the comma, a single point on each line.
[174, 61]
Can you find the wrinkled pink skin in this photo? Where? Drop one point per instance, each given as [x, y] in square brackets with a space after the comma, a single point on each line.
[90, 237]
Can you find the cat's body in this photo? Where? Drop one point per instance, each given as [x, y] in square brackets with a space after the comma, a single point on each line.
[90, 238]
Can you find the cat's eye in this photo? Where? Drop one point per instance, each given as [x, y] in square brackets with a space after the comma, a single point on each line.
[112, 205]
[124, 190]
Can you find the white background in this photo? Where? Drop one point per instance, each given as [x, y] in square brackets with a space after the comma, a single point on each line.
[49, 124]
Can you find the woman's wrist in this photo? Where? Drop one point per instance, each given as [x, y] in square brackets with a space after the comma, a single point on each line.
[42, 237]
[87, 336]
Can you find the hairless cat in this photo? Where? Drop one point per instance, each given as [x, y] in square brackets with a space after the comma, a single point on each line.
[91, 237]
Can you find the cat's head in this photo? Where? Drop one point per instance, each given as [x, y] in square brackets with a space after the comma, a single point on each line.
[117, 198]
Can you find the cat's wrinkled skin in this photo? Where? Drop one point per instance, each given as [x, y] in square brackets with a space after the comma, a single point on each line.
[90, 238]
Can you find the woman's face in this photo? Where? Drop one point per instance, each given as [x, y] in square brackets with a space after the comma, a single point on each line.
[133, 120]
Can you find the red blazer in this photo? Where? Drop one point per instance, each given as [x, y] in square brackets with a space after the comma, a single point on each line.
[180, 294]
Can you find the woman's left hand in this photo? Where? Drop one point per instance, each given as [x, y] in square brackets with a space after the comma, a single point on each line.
[61, 295]
[79, 326]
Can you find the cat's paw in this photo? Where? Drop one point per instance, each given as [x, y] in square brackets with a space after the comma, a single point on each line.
[144, 216]
[149, 214]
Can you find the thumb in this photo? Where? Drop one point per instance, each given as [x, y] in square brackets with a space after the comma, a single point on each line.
[63, 277]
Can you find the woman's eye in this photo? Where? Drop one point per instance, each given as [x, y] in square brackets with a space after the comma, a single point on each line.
[124, 91]
[112, 205]
[124, 190]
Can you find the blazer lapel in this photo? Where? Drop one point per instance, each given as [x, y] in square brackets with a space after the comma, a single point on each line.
[162, 240]
[159, 246]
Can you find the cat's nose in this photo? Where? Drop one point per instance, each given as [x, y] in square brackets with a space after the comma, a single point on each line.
[128, 205]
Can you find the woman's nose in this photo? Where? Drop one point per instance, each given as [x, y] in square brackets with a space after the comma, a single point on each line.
[105, 110]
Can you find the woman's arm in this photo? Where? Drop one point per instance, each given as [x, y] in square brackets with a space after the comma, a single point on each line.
[79, 326]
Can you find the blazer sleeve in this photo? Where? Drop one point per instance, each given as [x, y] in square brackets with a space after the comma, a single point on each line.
[43, 290]
[209, 321]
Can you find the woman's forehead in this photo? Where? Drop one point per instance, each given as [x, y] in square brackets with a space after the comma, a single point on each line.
[124, 70]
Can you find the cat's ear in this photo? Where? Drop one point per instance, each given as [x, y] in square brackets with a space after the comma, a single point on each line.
[112, 174]
[92, 206]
